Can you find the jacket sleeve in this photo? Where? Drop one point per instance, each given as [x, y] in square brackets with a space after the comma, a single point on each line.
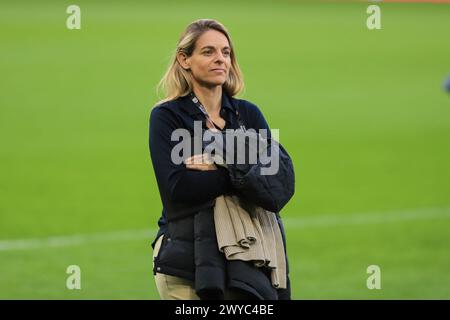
[255, 118]
[180, 184]
[272, 189]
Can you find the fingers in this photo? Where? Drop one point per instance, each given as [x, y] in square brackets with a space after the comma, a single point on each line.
[201, 167]
[199, 159]
[202, 162]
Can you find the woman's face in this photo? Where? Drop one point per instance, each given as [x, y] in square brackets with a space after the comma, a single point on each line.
[210, 61]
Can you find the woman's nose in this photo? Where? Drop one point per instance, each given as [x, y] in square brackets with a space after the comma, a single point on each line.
[220, 57]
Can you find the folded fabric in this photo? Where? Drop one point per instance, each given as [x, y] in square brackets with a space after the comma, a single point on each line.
[250, 233]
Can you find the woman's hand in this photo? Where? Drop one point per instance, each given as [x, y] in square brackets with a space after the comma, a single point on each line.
[200, 162]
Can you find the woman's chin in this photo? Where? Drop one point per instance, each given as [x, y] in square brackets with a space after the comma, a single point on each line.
[217, 82]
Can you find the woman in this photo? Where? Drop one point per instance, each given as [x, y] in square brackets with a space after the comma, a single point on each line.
[200, 84]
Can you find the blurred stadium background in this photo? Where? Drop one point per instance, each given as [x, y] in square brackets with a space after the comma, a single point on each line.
[363, 114]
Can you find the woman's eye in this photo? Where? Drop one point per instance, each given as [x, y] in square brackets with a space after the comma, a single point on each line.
[226, 53]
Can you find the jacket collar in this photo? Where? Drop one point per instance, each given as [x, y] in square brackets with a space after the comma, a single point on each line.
[192, 109]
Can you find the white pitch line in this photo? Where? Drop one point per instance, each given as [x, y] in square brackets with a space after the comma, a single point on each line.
[77, 239]
[288, 222]
[366, 218]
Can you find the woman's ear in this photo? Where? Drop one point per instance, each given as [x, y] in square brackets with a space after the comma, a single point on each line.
[183, 60]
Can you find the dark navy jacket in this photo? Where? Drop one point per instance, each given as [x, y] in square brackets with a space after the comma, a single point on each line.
[184, 193]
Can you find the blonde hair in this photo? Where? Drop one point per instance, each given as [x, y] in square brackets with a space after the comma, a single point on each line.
[177, 82]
